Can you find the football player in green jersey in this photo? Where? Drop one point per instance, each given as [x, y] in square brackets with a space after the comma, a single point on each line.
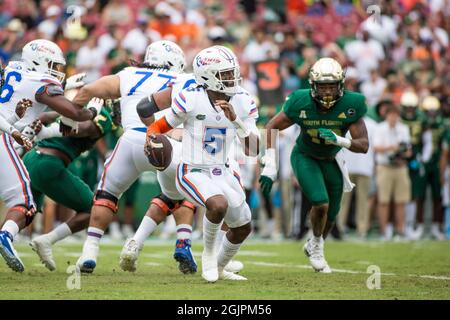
[413, 118]
[47, 164]
[324, 113]
[433, 126]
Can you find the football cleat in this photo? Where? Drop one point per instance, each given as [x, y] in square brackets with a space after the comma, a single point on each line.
[88, 260]
[225, 275]
[129, 255]
[43, 247]
[8, 253]
[183, 255]
[327, 269]
[314, 251]
[234, 266]
[210, 271]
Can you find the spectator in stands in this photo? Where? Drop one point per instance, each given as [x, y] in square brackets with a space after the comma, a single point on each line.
[373, 88]
[47, 28]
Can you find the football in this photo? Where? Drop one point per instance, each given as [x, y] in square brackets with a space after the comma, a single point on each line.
[159, 152]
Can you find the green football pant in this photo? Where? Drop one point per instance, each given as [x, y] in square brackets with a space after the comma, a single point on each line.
[320, 180]
[50, 177]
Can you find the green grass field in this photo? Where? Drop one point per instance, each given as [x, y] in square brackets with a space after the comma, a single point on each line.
[275, 271]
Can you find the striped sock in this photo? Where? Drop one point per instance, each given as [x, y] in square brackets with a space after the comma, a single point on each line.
[184, 231]
[94, 234]
[227, 252]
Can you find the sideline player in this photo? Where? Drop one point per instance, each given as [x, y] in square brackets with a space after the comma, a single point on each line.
[325, 113]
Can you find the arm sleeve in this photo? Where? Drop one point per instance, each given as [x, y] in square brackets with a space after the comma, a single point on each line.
[49, 132]
[179, 110]
[5, 126]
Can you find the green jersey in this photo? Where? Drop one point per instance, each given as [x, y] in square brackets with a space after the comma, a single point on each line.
[415, 126]
[302, 109]
[73, 146]
[437, 128]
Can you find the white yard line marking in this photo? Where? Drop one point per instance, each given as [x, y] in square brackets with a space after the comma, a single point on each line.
[300, 266]
[153, 264]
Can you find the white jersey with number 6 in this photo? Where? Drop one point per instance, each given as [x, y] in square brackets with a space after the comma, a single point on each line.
[21, 83]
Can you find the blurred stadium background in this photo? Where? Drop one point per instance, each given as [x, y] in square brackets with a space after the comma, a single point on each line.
[402, 46]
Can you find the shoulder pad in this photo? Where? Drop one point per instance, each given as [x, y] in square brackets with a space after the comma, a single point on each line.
[51, 90]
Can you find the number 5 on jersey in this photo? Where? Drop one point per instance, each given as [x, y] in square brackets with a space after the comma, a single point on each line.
[211, 136]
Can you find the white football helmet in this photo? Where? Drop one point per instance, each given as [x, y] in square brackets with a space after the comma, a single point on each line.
[409, 99]
[166, 54]
[44, 56]
[217, 69]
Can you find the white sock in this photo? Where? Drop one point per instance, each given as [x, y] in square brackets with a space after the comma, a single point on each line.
[184, 231]
[60, 232]
[145, 229]
[410, 214]
[227, 251]
[11, 227]
[94, 235]
[220, 236]
[436, 226]
[114, 227]
[317, 239]
[210, 231]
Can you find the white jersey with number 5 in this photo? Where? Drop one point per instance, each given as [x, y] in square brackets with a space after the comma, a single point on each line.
[21, 83]
[208, 134]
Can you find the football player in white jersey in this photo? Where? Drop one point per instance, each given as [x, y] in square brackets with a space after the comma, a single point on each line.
[37, 77]
[212, 114]
[148, 109]
[163, 61]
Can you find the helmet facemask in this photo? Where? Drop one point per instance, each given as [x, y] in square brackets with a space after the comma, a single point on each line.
[228, 81]
[57, 70]
[327, 93]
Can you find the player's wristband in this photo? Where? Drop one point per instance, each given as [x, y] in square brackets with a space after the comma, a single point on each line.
[94, 112]
[343, 142]
[242, 131]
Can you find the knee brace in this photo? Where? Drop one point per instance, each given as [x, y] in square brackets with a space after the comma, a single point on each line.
[165, 204]
[188, 204]
[106, 199]
[28, 212]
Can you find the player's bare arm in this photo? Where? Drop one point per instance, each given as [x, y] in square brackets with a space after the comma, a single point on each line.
[148, 106]
[107, 87]
[360, 139]
[53, 97]
[279, 122]
[248, 139]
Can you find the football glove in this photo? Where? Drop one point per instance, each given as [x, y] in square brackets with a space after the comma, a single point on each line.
[75, 81]
[330, 137]
[269, 172]
[95, 104]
